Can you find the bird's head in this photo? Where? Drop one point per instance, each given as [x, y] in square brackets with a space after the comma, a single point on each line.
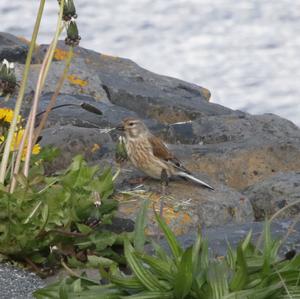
[133, 127]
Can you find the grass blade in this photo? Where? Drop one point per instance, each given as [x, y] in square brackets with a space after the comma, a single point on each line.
[184, 276]
[144, 275]
[140, 225]
[170, 237]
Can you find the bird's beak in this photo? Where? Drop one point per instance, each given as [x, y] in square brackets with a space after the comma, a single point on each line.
[120, 127]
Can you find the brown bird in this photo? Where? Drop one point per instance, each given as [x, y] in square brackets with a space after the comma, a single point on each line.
[149, 154]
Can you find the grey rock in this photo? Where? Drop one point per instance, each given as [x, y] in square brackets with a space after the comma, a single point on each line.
[274, 193]
[80, 80]
[16, 283]
[240, 165]
[12, 48]
[231, 148]
[233, 233]
[73, 141]
[187, 205]
[76, 116]
[239, 128]
[150, 95]
[118, 225]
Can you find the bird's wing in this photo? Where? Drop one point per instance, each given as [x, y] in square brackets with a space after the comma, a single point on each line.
[161, 151]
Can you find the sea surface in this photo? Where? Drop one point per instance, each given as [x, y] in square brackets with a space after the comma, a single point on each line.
[246, 52]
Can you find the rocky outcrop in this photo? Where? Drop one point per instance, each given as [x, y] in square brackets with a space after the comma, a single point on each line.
[252, 161]
[12, 48]
[232, 150]
[275, 193]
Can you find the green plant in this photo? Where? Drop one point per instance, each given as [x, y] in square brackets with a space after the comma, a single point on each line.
[246, 272]
[46, 218]
[8, 81]
[67, 13]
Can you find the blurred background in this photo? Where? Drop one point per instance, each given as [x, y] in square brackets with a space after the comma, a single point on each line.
[246, 52]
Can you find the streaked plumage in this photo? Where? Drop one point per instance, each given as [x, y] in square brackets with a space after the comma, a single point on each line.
[149, 154]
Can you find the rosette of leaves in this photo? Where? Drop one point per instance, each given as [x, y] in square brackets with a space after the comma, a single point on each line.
[51, 212]
[8, 81]
[246, 272]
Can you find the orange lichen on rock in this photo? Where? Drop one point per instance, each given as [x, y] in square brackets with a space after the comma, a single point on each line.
[186, 218]
[73, 79]
[60, 54]
[180, 217]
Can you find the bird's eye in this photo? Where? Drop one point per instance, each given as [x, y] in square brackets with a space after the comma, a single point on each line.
[131, 124]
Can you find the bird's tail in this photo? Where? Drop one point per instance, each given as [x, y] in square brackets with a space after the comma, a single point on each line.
[193, 179]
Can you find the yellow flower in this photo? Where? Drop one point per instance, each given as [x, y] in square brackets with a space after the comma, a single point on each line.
[16, 143]
[7, 115]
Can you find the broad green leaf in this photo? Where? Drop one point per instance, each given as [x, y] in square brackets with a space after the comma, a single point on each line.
[21, 179]
[240, 275]
[96, 261]
[217, 278]
[246, 241]
[161, 268]
[231, 256]
[140, 225]
[77, 288]
[170, 237]
[184, 276]
[196, 253]
[127, 282]
[85, 229]
[63, 293]
[144, 275]
[256, 293]
[267, 248]
[151, 295]
[204, 260]
[99, 239]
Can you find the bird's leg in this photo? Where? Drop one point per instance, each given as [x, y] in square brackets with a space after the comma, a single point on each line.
[164, 183]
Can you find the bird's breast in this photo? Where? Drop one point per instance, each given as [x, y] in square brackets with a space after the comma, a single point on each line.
[141, 156]
[137, 151]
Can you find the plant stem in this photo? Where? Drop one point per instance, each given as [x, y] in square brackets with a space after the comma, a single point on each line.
[55, 95]
[40, 84]
[20, 97]
[19, 158]
[23, 141]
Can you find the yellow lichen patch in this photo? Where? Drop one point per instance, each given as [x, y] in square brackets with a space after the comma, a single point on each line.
[206, 93]
[60, 54]
[73, 79]
[95, 147]
[106, 56]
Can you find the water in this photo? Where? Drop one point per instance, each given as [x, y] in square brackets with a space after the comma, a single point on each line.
[246, 52]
